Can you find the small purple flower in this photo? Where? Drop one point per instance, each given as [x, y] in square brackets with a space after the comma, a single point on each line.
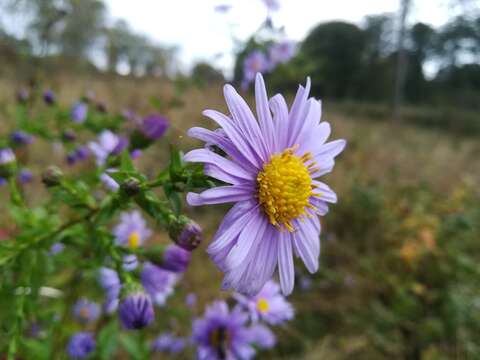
[222, 334]
[25, 176]
[268, 305]
[79, 112]
[110, 282]
[255, 62]
[21, 137]
[86, 311]
[223, 8]
[132, 231]
[159, 283]
[154, 126]
[168, 343]
[191, 300]
[108, 144]
[135, 154]
[56, 248]
[81, 345]
[281, 53]
[49, 97]
[6, 156]
[262, 336]
[272, 5]
[108, 181]
[3, 181]
[176, 259]
[136, 311]
[79, 154]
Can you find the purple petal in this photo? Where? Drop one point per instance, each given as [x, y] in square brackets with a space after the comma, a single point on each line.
[220, 195]
[285, 263]
[306, 241]
[330, 149]
[280, 113]
[326, 194]
[263, 113]
[296, 114]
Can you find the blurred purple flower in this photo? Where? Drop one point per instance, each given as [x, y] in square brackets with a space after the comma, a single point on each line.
[86, 311]
[281, 53]
[108, 181]
[191, 300]
[136, 311]
[49, 97]
[78, 154]
[79, 112]
[223, 8]
[3, 181]
[255, 62]
[22, 96]
[132, 230]
[154, 126]
[6, 156]
[25, 176]
[130, 262]
[168, 343]
[262, 336]
[269, 305]
[159, 283]
[222, 334]
[135, 154]
[272, 5]
[81, 345]
[56, 248]
[20, 137]
[175, 258]
[110, 282]
[108, 144]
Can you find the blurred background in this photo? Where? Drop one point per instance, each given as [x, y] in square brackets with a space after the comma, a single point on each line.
[399, 79]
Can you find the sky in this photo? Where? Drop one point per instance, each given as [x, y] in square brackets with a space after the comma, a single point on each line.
[202, 33]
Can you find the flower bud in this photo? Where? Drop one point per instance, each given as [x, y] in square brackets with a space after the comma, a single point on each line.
[69, 135]
[186, 233]
[131, 187]
[136, 310]
[49, 97]
[154, 126]
[52, 176]
[175, 258]
[21, 138]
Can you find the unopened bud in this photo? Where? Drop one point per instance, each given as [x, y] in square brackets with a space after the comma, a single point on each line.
[131, 187]
[186, 233]
[52, 176]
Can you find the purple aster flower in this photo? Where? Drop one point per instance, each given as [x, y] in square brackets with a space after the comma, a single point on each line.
[175, 258]
[135, 154]
[132, 230]
[136, 311]
[6, 156]
[281, 53]
[56, 248]
[49, 97]
[154, 126]
[25, 176]
[168, 343]
[81, 345]
[79, 112]
[269, 305]
[222, 334]
[86, 311]
[272, 5]
[21, 137]
[272, 166]
[3, 181]
[110, 282]
[262, 336]
[108, 181]
[159, 283]
[108, 144]
[255, 62]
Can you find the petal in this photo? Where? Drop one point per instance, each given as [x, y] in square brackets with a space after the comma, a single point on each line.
[263, 113]
[285, 263]
[326, 194]
[310, 121]
[252, 231]
[297, 113]
[330, 149]
[307, 244]
[315, 139]
[209, 157]
[245, 120]
[220, 195]
[321, 207]
[280, 113]
[236, 223]
[222, 142]
[241, 142]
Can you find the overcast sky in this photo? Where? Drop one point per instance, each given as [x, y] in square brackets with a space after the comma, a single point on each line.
[202, 33]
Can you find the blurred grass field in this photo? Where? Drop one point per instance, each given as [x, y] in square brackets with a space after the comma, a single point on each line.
[383, 245]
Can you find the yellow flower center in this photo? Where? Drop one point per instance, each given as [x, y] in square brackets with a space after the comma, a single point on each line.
[134, 240]
[285, 186]
[262, 305]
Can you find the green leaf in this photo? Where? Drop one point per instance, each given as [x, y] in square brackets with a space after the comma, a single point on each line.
[107, 340]
[126, 163]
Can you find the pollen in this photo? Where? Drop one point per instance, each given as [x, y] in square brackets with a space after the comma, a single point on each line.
[285, 186]
[134, 240]
[263, 305]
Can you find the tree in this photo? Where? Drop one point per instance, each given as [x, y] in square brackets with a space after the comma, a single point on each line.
[335, 50]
